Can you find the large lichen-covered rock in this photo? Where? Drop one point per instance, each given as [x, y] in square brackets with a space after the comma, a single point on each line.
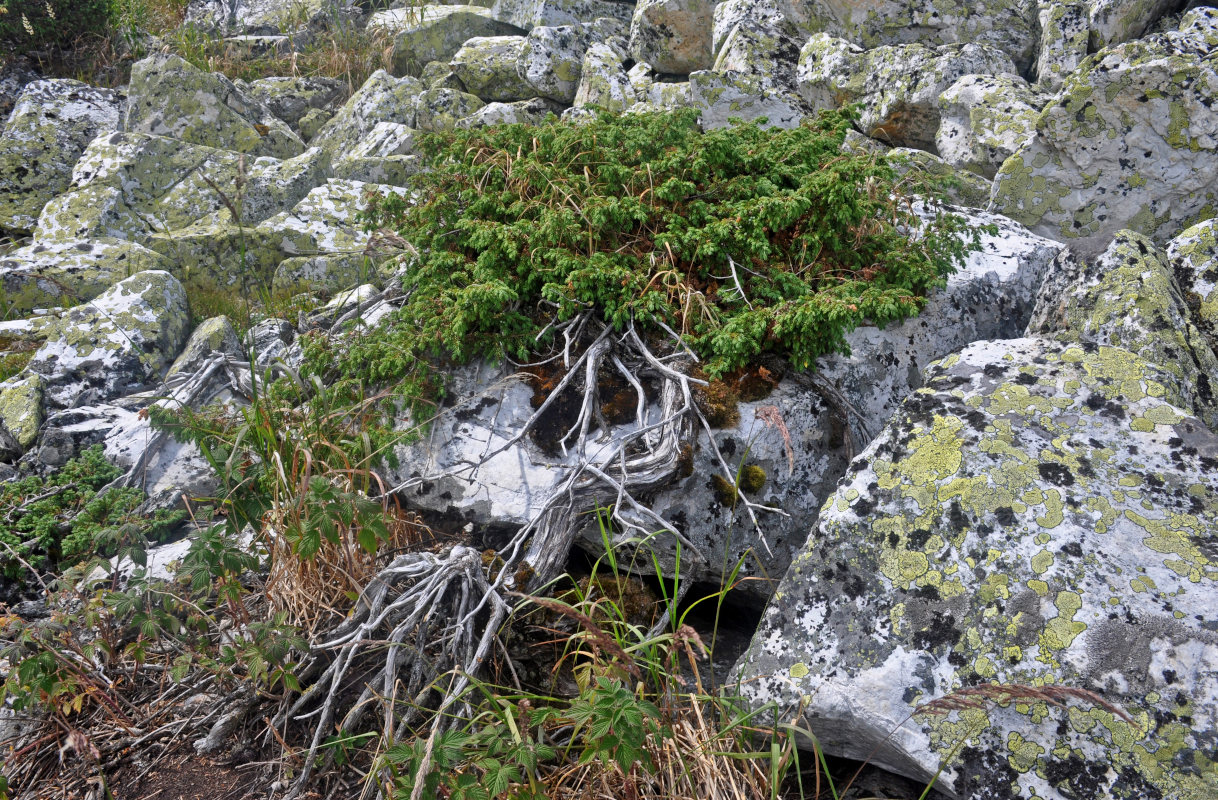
[1131, 141]
[486, 66]
[552, 59]
[115, 344]
[673, 35]
[725, 97]
[50, 126]
[603, 81]
[440, 109]
[654, 94]
[1010, 27]
[1064, 40]
[958, 186]
[531, 14]
[529, 112]
[290, 99]
[324, 221]
[897, 87]
[764, 49]
[1116, 21]
[1128, 298]
[329, 273]
[179, 200]
[21, 408]
[1194, 254]
[382, 98]
[984, 119]
[256, 189]
[66, 273]
[213, 335]
[1038, 519]
[169, 97]
[385, 155]
[259, 15]
[435, 33]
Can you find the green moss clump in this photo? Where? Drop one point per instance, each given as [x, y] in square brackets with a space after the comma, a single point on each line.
[751, 479]
[725, 490]
[719, 403]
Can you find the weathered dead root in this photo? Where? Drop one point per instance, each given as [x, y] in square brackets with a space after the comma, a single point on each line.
[435, 614]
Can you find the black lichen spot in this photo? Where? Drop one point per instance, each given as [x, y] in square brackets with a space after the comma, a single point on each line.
[1005, 516]
[986, 774]
[1073, 549]
[1076, 778]
[956, 516]
[941, 631]
[1057, 474]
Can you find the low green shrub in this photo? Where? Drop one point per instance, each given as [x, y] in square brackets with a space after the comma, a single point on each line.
[744, 240]
[62, 519]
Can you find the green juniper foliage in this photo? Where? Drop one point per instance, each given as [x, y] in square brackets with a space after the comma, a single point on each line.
[62, 518]
[744, 240]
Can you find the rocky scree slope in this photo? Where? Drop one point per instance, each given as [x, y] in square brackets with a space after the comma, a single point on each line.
[1033, 511]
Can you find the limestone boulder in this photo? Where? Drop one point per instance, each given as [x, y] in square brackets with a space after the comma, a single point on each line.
[958, 186]
[1116, 21]
[1009, 27]
[435, 32]
[1129, 142]
[256, 15]
[169, 97]
[551, 61]
[723, 97]
[486, 67]
[214, 335]
[21, 408]
[323, 222]
[530, 112]
[116, 344]
[673, 35]
[66, 273]
[603, 82]
[51, 124]
[984, 119]
[653, 94]
[1039, 514]
[1064, 40]
[1194, 256]
[382, 98]
[767, 50]
[441, 109]
[1128, 297]
[530, 14]
[290, 99]
[897, 87]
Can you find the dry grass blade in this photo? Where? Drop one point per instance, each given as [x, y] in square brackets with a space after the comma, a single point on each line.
[698, 761]
[1003, 693]
[599, 640]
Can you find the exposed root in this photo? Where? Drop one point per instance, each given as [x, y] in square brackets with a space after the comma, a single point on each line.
[441, 614]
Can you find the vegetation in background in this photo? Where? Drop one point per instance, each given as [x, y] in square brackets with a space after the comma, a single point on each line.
[742, 240]
[62, 519]
[27, 25]
[98, 40]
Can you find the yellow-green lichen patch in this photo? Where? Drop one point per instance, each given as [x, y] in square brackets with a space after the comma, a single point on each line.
[1020, 531]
